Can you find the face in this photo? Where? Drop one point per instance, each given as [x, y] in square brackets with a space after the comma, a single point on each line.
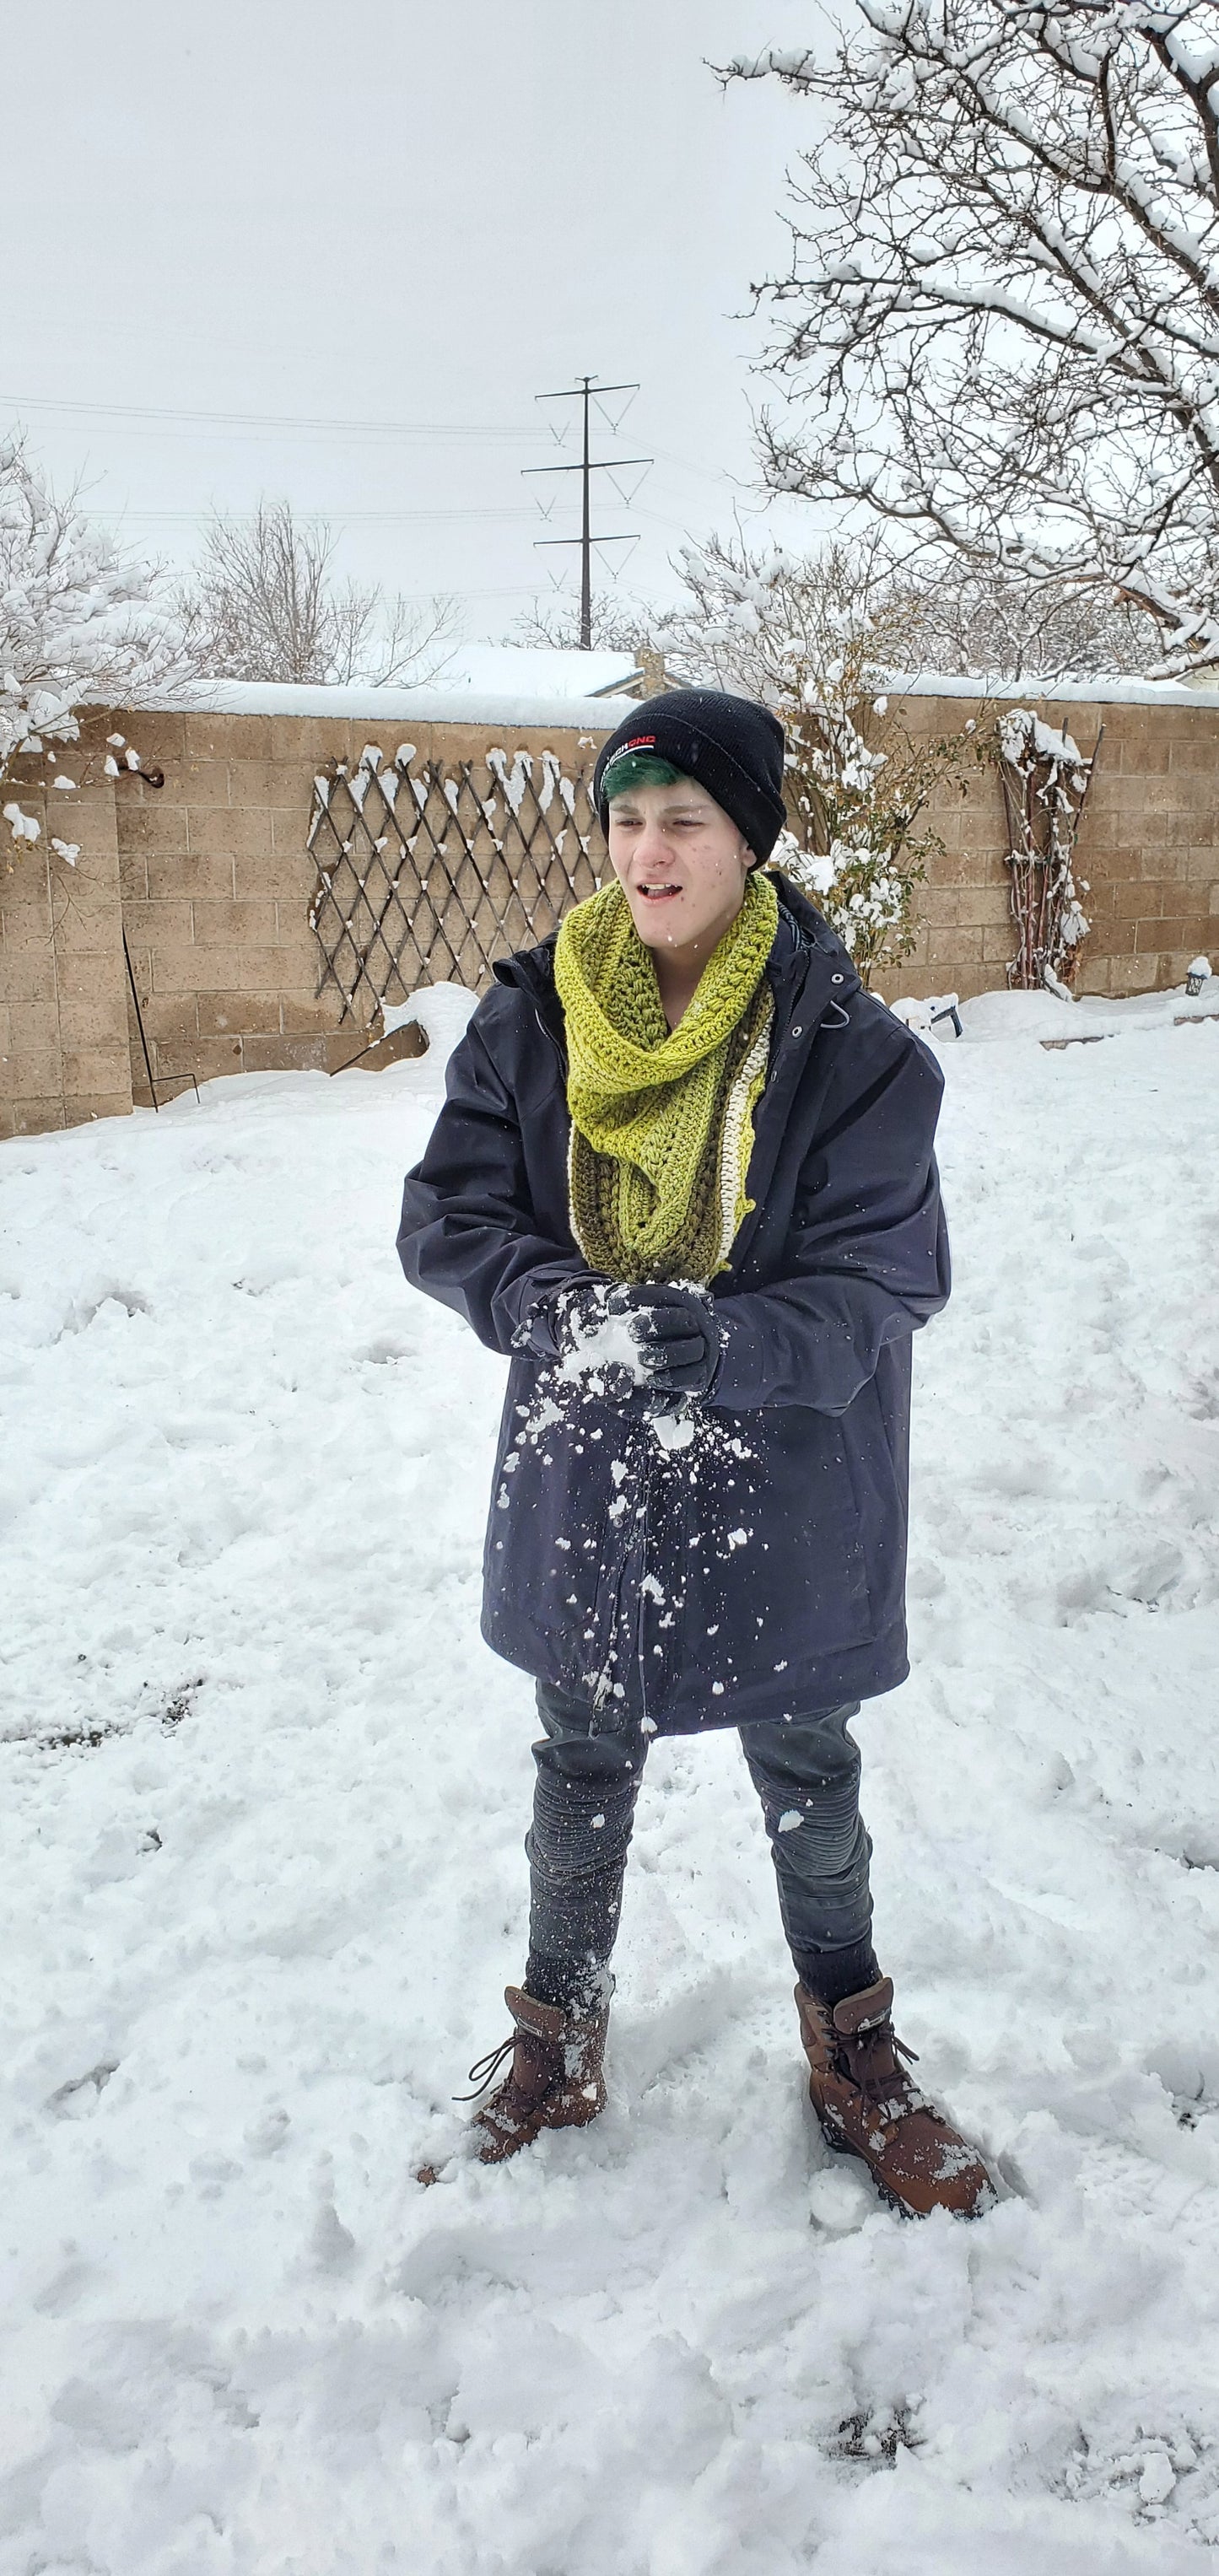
[681, 862]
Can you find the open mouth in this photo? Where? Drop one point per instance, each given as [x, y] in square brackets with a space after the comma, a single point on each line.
[658, 890]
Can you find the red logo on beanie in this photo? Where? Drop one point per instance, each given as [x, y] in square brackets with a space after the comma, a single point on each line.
[640, 742]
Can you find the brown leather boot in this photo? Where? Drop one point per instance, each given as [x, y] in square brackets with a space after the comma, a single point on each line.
[555, 2080]
[868, 2107]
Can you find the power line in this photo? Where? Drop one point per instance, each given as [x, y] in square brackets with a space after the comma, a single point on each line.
[274, 420]
[301, 420]
[338, 518]
[720, 474]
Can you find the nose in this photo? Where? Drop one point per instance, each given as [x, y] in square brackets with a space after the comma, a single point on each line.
[651, 848]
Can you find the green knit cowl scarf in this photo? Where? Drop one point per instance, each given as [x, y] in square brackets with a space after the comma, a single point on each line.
[662, 1120]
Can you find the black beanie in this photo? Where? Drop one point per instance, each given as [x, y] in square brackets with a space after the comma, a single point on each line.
[732, 746]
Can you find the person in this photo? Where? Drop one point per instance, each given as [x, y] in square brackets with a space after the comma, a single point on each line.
[684, 1180]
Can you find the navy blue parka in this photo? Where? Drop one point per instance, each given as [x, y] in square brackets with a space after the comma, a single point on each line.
[744, 1560]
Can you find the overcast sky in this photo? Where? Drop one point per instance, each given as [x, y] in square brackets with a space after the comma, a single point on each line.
[392, 211]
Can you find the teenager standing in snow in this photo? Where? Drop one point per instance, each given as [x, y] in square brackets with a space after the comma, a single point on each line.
[685, 1179]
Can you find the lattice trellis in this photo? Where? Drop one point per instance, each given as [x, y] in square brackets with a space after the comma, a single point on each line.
[427, 873]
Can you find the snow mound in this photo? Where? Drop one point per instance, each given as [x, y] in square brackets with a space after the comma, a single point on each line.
[442, 1011]
[1006, 1017]
[923, 1015]
[994, 1016]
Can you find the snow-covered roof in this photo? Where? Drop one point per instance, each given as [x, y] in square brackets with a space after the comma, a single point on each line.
[517, 669]
[446, 703]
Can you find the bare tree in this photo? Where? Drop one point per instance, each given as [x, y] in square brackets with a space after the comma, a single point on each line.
[1002, 313]
[970, 620]
[619, 626]
[265, 605]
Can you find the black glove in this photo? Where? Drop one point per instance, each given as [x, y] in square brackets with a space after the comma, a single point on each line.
[679, 1338]
[552, 1328]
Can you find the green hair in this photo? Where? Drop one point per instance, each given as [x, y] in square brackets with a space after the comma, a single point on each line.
[631, 769]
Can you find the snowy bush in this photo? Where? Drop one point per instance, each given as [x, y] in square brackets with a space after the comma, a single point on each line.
[1045, 781]
[76, 623]
[816, 638]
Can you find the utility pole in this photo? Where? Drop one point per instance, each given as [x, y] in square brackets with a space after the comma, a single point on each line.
[587, 391]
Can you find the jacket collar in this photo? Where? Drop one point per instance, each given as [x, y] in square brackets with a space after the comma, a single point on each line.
[804, 944]
[813, 980]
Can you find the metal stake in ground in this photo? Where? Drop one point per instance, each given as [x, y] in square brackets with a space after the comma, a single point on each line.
[140, 1025]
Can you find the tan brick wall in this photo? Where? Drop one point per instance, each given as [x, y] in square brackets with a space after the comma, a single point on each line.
[1148, 846]
[217, 882]
[64, 1049]
[211, 878]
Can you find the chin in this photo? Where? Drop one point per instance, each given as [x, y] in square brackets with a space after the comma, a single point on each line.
[667, 931]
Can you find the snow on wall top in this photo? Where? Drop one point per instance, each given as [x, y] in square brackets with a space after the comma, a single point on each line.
[1122, 690]
[444, 704]
[462, 702]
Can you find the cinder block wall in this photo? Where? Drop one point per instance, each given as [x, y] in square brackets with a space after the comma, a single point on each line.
[217, 881]
[64, 1049]
[210, 878]
[1148, 846]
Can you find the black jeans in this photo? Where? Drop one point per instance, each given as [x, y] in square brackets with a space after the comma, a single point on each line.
[806, 1773]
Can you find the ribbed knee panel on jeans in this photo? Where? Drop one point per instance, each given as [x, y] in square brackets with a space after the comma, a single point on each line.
[583, 1811]
[577, 1847]
[806, 1773]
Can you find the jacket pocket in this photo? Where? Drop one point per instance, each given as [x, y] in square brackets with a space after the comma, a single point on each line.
[553, 1544]
[880, 1502]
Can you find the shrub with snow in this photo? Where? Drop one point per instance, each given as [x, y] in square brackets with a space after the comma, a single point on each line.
[1045, 781]
[816, 637]
[76, 624]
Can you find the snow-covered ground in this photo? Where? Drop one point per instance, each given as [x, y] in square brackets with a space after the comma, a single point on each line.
[261, 1881]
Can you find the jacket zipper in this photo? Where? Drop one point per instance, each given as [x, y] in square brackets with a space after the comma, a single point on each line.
[559, 1052]
[642, 1601]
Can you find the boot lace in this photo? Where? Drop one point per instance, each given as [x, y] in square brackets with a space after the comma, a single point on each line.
[485, 2069]
[874, 2081]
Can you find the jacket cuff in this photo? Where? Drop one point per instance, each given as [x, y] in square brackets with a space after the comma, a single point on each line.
[537, 1331]
[741, 1380]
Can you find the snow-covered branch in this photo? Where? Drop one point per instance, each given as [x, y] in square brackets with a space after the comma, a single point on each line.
[817, 638]
[1002, 310]
[76, 623]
